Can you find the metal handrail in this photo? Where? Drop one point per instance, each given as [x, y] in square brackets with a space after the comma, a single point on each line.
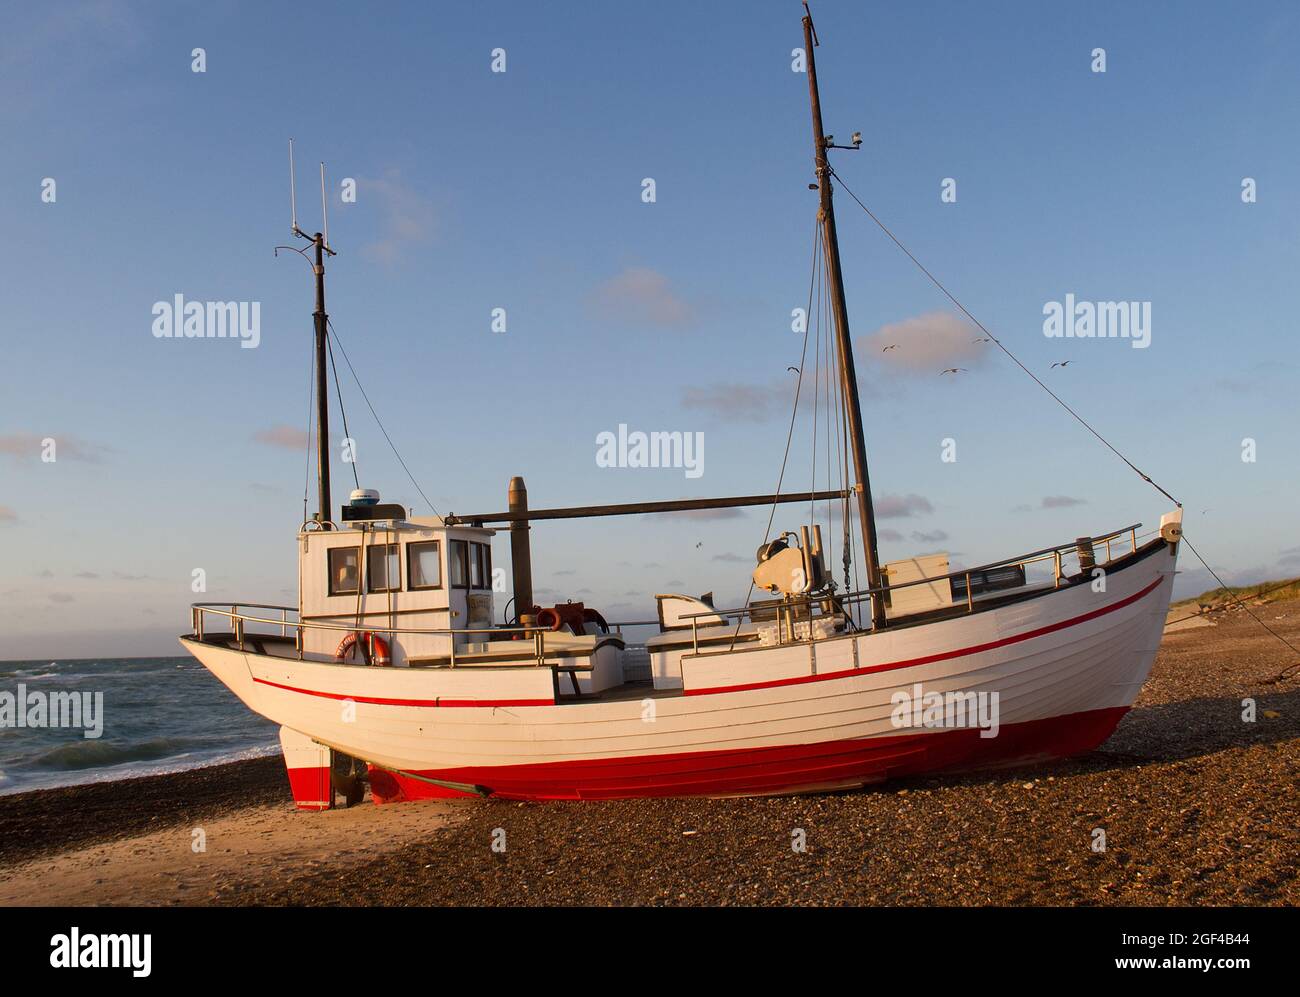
[199, 609]
[859, 595]
[850, 598]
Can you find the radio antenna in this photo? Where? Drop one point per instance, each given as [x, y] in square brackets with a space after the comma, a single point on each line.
[320, 249]
[325, 215]
[293, 196]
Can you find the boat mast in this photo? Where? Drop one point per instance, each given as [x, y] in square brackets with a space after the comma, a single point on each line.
[322, 389]
[848, 374]
[321, 244]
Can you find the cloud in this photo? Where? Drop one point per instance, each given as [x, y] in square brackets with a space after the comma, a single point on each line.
[1289, 556]
[7, 515]
[566, 571]
[739, 402]
[407, 217]
[938, 536]
[61, 597]
[32, 446]
[1061, 501]
[924, 345]
[731, 558]
[892, 536]
[902, 506]
[640, 295]
[87, 574]
[288, 437]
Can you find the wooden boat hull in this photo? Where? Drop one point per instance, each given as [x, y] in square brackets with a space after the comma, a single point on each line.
[1063, 666]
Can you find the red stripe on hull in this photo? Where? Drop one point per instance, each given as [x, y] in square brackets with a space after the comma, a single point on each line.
[760, 771]
[960, 652]
[383, 701]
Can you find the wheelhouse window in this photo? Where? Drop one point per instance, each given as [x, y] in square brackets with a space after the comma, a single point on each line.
[344, 569]
[424, 565]
[470, 565]
[480, 576]
[383, 568]
[458, 564]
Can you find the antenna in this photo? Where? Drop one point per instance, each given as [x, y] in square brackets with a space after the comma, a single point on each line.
[293, 196]
[319, 244]
[293, 208]
[325, 215]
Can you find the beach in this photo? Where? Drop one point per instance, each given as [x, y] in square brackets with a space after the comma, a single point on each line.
[1196, 805]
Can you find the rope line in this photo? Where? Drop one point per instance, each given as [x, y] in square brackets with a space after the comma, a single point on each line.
[338, 390]
[378, 421]
[1055, 397]
[1285, 672]
[951, 297]
[789, 436]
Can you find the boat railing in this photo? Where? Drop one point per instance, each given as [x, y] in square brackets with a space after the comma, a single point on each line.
[233, 612]
[788, 611]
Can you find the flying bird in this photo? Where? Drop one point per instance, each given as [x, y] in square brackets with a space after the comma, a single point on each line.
[1063, 363]
[954, 370]
[795, 369]
[983, 339]
[891, 346]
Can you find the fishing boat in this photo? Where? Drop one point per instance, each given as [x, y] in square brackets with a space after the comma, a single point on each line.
[395, 672]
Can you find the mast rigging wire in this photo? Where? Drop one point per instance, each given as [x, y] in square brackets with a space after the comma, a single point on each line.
[338, 390]
[1083, 422]
[378, 421]
[951, 297]
[789, 436]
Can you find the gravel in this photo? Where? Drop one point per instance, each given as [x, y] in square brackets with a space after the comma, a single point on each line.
[1196, 806]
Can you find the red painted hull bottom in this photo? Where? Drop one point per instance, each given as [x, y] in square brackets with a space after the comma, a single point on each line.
[764, 771]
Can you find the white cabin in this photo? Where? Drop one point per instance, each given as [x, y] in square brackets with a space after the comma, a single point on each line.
[406, 575]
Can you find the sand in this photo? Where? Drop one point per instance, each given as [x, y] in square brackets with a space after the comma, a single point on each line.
[259, 844]
[1198, 807]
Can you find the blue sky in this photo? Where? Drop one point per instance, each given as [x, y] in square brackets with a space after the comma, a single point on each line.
[523, 190]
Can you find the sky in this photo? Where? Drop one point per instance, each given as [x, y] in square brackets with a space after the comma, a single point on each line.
[524, 190]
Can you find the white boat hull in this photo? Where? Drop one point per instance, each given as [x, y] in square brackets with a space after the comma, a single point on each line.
[1061, 669]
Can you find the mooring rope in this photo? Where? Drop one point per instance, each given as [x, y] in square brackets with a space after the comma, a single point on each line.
[1055, 397]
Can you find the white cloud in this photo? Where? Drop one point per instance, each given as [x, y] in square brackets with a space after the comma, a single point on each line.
[924, 345]
[640, 295]
[407, 217]
[288, 437]
[902, 506]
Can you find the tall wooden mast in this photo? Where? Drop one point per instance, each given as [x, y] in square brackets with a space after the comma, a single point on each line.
[325, 514]
[848, 375]
[320, 242]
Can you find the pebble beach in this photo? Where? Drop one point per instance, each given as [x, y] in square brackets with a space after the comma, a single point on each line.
[1187, 803]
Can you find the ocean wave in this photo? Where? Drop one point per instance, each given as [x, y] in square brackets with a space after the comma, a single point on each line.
[131, 770]
[89, 754]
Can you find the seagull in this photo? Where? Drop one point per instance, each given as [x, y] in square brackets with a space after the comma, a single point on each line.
[795, 369]
[1063, 363]
[983, 339]
[892, 346]
[954, 370]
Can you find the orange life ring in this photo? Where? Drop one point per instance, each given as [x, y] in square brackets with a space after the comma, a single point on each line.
[549, 618]
[374, 649]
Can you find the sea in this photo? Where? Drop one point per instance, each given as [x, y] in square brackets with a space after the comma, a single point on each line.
[158, 715]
